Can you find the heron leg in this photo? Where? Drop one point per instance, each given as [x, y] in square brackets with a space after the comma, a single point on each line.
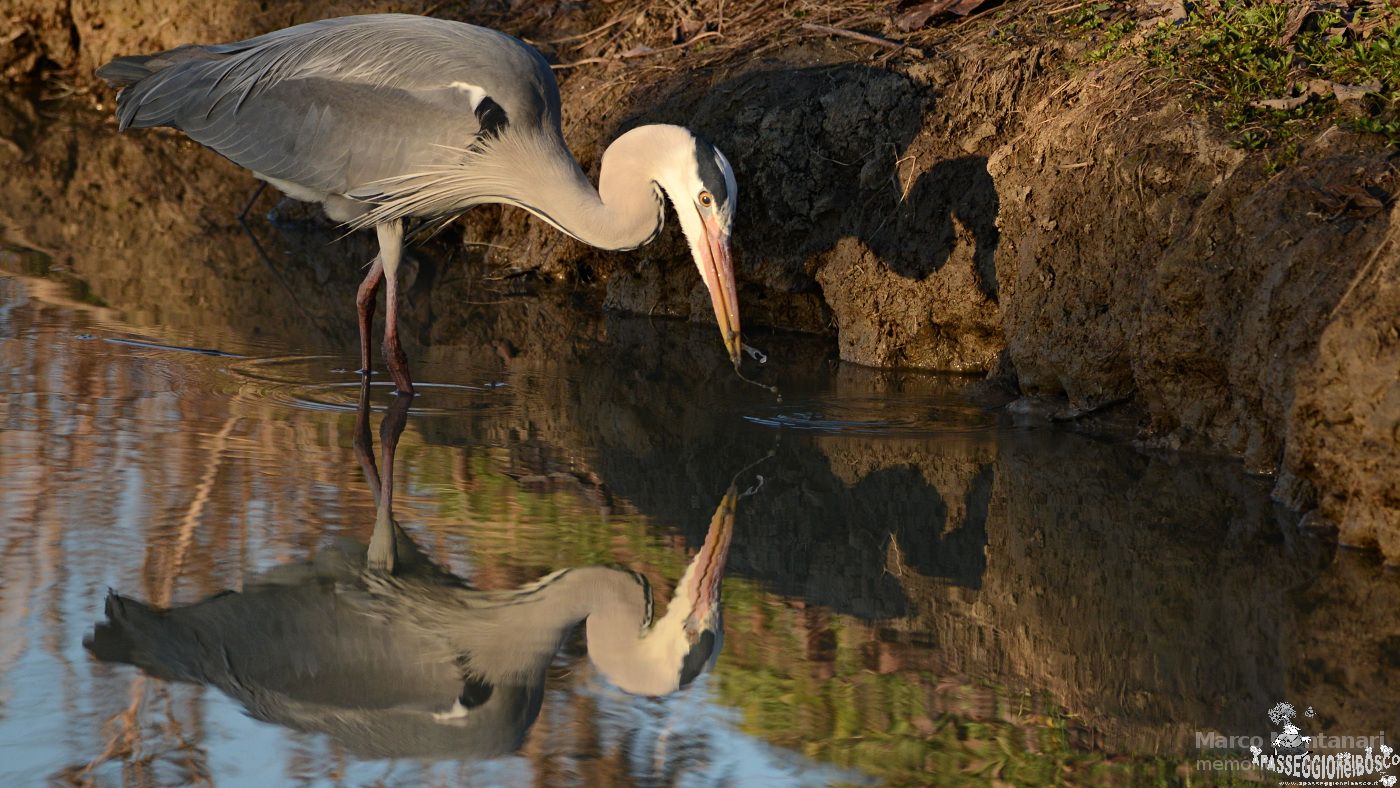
[364, 306]
[383, 552]
[243, 214]
[390, 252]
[363, 443]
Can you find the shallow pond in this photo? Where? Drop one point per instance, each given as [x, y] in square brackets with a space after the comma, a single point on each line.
[919, 589]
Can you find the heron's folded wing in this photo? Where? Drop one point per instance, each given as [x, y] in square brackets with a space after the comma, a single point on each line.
[384, 51]
[335, 137]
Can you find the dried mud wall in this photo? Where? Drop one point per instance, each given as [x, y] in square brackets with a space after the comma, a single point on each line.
[1071, 231]
[1145, 260]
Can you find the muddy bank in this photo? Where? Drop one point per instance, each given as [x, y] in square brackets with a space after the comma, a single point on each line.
[997, 209]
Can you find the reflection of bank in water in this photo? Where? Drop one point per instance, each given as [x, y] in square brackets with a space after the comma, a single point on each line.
[415, 662]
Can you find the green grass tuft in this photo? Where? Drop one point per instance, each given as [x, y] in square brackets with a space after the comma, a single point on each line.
[1232, 54]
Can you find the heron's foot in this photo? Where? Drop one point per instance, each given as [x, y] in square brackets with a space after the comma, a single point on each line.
[397, 361]
[403, 384]
[381, 556]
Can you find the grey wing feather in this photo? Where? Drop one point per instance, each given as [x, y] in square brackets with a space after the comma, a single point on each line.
[333, 136]
[338, 104]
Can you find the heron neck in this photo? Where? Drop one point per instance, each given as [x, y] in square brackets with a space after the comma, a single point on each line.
[510, 636]
[624, 212]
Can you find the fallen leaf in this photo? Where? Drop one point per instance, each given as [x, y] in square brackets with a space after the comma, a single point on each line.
[1294, 23]
[1355, 92]
[687, 27]
[1163, 10]
[1361, 198]
[1293, 102]
[966, 7]
[920, 14]
[1319, 87]
[1363, 30]
[1339, 199]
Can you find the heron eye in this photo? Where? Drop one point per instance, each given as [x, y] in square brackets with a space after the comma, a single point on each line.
[706, 200]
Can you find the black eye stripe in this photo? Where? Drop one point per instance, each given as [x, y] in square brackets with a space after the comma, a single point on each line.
[707, 159]
[698, 657]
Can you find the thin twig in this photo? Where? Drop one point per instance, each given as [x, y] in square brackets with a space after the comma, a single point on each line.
[908, 184]
[1364, 273]
[1066, 9]
[590, 33]
[862, 37]
[629, 55]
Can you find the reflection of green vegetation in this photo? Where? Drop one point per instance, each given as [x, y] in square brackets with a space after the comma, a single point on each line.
[905, 726]
[530, 529]
[29, 262]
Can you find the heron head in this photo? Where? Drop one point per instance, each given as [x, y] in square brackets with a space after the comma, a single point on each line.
[700, 184]
[697, 596]
[686, 641]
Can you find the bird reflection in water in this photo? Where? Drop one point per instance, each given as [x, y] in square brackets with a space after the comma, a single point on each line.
[394, 656]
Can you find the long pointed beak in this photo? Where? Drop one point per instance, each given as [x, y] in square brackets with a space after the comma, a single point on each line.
[702, 578]
[717, 269]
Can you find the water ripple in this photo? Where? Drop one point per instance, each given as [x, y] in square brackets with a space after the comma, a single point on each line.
[898, 417]
[316, 383]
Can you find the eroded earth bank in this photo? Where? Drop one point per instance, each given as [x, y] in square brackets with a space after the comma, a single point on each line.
[1068, 229]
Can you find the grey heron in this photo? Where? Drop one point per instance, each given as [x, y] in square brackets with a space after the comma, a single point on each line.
[389, 117]
[414, 662]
